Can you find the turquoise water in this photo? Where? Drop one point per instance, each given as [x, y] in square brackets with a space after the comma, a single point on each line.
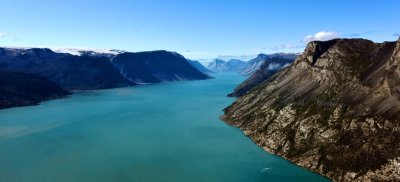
[163, 132]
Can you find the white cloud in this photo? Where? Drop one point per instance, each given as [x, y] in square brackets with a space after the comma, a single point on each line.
[322, 36]
[1, 34]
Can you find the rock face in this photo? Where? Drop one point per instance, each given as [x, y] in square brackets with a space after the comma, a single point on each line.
[335, 110]
[71, 72]
[233, 65]
[269, 67]
[21, 89]
[199, 66]
[155, 67]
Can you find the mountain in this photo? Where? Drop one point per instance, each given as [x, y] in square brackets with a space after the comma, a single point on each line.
[218, 65]
[21, 89]
[155, 67]
[71, 72]
[199, 66]
[269, 67]
[335, 110]
[254, 64]
[233, 65]
[98, 70]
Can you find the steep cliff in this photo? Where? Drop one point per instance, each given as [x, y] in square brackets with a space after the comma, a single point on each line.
[21, 89]
[335, 110]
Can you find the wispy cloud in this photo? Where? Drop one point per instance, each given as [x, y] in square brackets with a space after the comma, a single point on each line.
[322, 36]
[396, 34]
[359, 34]
[287, 47]
[1, 34]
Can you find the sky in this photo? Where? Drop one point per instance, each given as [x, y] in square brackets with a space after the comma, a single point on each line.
[197, 29]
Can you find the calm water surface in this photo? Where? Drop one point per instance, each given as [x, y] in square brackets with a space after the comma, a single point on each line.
[164, 132]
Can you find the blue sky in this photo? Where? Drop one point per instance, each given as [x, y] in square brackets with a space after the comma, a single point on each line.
[195, 28]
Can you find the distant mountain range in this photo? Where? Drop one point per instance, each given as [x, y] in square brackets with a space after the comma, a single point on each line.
[269, 66]
[87, 70]
[247, 67]
[254, 64]
[233, 65]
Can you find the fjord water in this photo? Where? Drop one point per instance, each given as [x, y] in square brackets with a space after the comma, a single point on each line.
[163, 132]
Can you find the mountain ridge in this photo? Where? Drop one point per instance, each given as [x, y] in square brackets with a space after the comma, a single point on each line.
[336, 104]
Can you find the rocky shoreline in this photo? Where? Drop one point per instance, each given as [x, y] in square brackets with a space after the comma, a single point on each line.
[334, 111]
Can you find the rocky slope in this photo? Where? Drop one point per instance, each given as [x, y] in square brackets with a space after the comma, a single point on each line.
[71, 72]
[269, 67]
[155, 67]
[335, 110]
[21, 89]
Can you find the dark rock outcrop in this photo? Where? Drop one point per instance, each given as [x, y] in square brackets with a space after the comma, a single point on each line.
[268, 68]
[68, 71]
[155, 67]
[335, 110]
[21, 89]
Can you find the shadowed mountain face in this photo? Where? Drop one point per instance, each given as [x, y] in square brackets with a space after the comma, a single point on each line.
[155, 67]
[335, 110]
[68, 71]
[21, 89]
[269, 67]
[233, 65]
[199, 67]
